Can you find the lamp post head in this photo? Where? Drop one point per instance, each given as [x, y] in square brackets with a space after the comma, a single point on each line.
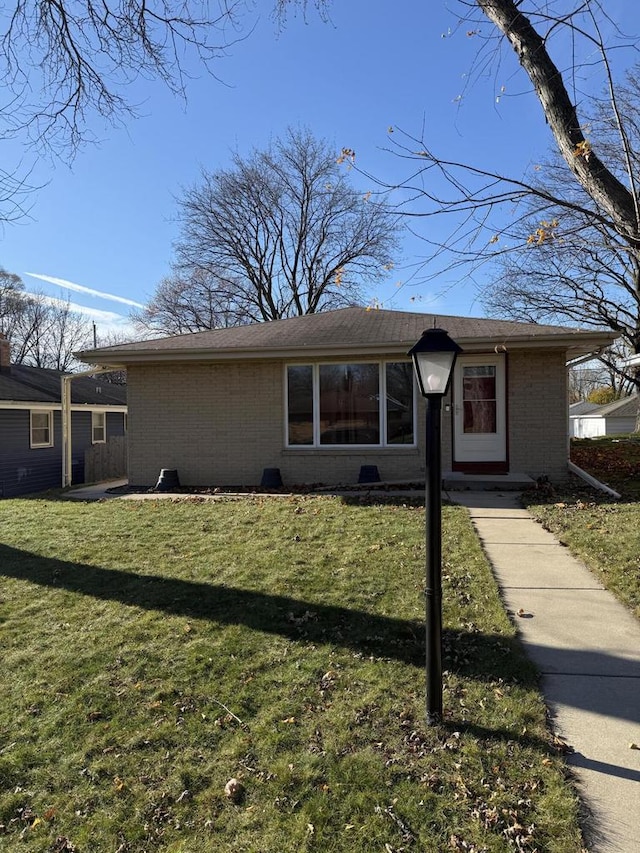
[434, 356]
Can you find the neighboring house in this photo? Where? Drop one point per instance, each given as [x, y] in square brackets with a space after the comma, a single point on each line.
[576, 411]
[31, 424]
[322, 395]
[617, 418]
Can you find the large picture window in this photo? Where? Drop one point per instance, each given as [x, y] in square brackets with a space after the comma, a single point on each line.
[332, 405]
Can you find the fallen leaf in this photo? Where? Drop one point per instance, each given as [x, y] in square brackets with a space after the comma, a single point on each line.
[62, 845]
[234, 790]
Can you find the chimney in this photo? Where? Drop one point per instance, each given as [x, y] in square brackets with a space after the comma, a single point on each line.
[5, 353]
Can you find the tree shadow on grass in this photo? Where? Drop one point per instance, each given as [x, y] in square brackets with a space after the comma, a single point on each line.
[483, 657]
[475, 655]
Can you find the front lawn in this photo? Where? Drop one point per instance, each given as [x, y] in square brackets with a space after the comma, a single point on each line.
[152, 651]
[614, 460]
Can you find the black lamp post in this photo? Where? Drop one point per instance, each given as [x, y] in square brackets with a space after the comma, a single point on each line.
[434, 356]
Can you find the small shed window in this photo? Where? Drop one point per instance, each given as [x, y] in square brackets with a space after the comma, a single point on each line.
[41, 428]
[98, 427]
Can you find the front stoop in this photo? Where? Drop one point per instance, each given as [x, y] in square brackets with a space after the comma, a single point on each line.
[457, 481]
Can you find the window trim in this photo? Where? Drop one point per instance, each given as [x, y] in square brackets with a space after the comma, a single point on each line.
[50, 426]
[94, 416]
[382, 409]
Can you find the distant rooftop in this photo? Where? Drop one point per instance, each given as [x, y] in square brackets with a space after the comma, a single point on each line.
[21, 383]
[582, 408]
[627, 407]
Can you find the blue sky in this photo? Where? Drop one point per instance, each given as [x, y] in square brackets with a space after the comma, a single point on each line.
[101, 229]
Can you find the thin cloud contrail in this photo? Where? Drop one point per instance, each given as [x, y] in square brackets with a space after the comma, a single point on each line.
[108, 317]
[80, 288]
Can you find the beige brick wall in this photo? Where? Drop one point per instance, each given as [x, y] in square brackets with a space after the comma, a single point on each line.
[201, 420]
[222, 424]
[537, 401]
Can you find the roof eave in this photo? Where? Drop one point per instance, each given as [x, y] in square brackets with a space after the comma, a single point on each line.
[119, 408]
[576, 343]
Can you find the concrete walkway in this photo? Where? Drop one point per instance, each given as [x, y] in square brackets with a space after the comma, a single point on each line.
[96, 492]
[587, 647]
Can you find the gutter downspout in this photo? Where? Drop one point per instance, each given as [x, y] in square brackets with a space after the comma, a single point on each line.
[574, 362]
[65, 399]
[596, 484]
[592, 481]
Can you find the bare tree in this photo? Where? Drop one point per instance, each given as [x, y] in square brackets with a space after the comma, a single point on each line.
[61, 61]
[42, 332]
[585, 379]
[112, 338]
[280, 233]
[15, 190]
[56, 332]
[584, 213]
[191, 301]
[564, 264]
[578, 226]
[588, 229]
[12, 299]
[569, 237]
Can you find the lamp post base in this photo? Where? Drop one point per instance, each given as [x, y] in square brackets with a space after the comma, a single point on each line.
[434, 718]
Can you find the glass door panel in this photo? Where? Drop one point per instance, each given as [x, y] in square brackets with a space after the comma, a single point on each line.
[479, 399]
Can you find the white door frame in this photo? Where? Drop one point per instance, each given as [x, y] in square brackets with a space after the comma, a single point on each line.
[480, 447]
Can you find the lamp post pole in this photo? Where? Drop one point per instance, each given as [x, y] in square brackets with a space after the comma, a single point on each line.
[433, 586]
[434, 357]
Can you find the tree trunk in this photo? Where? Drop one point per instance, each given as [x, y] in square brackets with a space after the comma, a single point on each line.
[610, 194]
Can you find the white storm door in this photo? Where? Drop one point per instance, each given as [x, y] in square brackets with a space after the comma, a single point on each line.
[479, 400]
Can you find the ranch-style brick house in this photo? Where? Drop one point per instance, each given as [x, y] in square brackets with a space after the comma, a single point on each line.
[320, 396]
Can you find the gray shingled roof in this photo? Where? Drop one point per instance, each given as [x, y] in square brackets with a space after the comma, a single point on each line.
[625, 408]
[21, 383]
[344, 328]
[582, 408]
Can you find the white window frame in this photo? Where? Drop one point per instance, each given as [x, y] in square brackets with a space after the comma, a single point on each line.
[94, 426]
[50, 424]
[382, 411]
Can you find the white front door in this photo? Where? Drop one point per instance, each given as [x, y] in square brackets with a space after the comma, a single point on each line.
[479, 400]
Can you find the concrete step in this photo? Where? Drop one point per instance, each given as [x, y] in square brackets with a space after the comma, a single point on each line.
[457, 481]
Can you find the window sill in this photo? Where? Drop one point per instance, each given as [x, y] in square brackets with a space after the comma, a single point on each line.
[360, 449]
